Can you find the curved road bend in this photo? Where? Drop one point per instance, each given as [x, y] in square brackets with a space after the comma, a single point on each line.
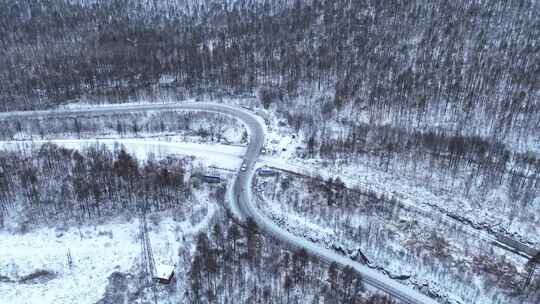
[241, 188]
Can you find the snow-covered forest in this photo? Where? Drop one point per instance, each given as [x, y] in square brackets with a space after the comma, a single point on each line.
[403, 135]
[465, 63]
[204, 126]
[419, 250]
[52, 185]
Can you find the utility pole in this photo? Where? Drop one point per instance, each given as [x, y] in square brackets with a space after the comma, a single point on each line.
[531, 266]
[148, 265]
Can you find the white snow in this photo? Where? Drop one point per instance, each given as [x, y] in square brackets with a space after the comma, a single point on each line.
[97, 251]
[164, 271]
[213, 155]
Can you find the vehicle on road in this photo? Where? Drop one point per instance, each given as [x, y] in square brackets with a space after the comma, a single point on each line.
[244, 167]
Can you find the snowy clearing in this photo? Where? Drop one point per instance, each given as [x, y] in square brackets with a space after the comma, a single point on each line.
[96, 252]
[212, 155]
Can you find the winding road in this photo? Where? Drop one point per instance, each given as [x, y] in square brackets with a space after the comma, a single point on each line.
[242, 201]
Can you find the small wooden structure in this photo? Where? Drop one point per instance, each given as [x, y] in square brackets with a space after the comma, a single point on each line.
[164, 273]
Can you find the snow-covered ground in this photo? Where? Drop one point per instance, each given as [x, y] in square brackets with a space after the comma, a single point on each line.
[96, 252]
[418, 194]
[88, 105]
[434, 257]
[284, 147]
[209, 154]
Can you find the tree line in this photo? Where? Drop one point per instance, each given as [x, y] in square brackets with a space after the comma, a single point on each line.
[209, 126]
[419, 62]
[486, 164]
[237, 262]
[52, 185]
